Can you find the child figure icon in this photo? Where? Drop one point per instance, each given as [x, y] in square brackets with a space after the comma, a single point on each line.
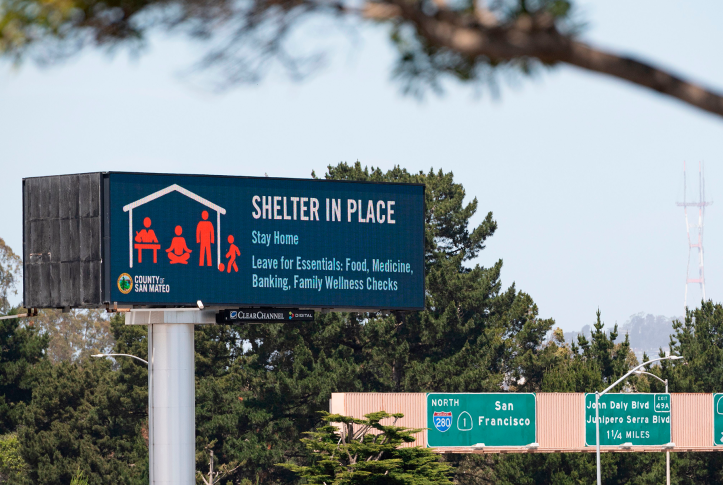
[233, 251]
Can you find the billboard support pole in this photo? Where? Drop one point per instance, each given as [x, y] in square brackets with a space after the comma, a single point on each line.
[172, 427]
[171, 390]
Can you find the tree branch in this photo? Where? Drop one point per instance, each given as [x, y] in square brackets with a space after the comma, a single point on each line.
[646, 75]
[538, 38]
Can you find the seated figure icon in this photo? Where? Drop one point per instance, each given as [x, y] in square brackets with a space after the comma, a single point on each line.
[146, 239]
[178, 253]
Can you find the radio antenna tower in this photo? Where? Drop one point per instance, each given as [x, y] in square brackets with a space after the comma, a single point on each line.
[701, 205]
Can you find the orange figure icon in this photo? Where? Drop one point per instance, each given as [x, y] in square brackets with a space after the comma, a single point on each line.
[204, 237]
[146, 239]
[233, 251]
[178, 253]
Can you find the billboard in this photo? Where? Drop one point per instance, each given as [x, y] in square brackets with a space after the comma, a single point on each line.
[172, 240]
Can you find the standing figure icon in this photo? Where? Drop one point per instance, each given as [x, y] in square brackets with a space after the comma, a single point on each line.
[205, 237]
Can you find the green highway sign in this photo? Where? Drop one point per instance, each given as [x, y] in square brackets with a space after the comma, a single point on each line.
[495, 419]
[636, 418]
[717, 419]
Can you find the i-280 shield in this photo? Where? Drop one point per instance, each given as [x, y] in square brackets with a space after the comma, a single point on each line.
[442, 420]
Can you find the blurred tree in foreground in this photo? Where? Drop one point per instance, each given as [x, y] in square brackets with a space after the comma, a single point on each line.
[468, 40]
[353, 451]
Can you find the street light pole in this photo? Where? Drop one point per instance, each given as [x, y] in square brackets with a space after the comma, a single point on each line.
[598, 395]
[597, 438]
[667, 451]
[121, 355]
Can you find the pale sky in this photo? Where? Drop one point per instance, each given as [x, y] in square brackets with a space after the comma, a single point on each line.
[581, 172]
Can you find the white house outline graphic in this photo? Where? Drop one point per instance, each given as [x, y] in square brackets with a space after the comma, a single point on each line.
[173, 188]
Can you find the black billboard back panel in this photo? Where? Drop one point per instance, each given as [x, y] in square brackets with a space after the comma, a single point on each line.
[62, 234]
[170, 240]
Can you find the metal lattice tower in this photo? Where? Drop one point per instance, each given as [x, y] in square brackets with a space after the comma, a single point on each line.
[701, 205]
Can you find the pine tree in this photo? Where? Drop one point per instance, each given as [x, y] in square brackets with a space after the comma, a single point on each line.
[352, 451]
[592, 365]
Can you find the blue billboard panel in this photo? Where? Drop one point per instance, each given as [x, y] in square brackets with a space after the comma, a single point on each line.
[177, 239]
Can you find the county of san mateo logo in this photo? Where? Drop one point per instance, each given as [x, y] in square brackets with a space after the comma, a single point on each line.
[442, 420]
[125, 283]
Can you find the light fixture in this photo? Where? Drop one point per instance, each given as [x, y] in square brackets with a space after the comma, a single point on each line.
[626, 446]
[532, 446]
[478, 446]
[200, 304]
[669, 446]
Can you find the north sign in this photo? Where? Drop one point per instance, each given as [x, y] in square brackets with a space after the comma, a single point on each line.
[637, 418]
[495, 419]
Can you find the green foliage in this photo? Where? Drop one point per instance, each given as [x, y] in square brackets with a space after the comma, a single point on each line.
[79, 479]
[21, 347]
[347, 451]
[87, 418]
[12, 465]
[699, 339]
[591, 365]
